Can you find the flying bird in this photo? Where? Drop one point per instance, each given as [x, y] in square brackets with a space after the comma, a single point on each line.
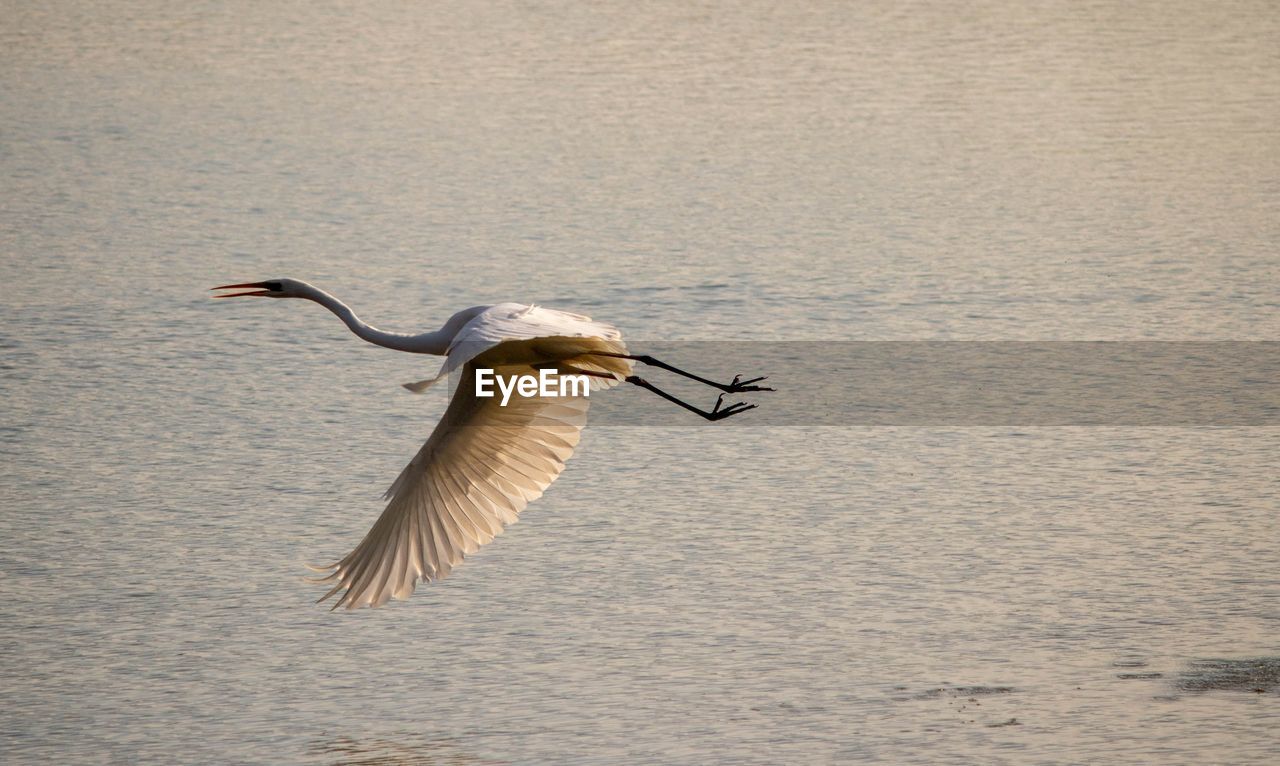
[486, 460]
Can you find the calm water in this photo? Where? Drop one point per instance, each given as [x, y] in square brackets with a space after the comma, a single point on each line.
[740, 594]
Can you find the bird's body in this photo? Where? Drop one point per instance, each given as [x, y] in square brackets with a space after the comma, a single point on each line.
[518, 334]
[486, 459]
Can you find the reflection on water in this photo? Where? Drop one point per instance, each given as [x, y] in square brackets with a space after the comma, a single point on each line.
[1259, 675]
[407, 750]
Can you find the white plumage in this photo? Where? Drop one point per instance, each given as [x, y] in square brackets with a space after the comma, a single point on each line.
[491, 325]
[487, 458]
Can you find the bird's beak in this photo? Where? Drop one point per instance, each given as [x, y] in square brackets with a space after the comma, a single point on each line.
[245, 284]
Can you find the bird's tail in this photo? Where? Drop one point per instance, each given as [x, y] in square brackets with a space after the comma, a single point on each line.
[423, 385]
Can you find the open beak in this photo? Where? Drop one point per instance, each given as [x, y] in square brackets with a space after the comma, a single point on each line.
[262, 291]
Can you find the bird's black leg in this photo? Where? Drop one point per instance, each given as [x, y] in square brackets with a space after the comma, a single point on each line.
[715, 414]
[737, 386]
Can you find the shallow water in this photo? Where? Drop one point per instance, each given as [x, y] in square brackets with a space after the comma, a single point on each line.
[740, 594]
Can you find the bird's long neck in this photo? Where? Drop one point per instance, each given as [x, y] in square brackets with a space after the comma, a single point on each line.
[426, 343]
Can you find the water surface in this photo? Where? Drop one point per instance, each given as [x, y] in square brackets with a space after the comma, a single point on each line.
[740, 594]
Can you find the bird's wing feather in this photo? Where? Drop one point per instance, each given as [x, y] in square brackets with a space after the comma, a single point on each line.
[515, 321]
[481, 466]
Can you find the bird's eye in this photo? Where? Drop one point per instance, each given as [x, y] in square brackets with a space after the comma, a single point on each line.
[274, 287]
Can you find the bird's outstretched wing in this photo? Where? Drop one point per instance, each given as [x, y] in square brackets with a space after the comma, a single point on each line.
[481, 466]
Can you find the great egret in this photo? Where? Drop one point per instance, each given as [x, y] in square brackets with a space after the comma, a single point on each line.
[484, 462]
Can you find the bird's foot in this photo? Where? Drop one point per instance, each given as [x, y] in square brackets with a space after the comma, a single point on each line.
[733, 409]
[739, 385]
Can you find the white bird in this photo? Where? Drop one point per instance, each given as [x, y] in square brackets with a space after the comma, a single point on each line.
[485, 460]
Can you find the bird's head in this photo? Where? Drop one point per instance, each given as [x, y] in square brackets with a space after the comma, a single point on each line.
[272, 288]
